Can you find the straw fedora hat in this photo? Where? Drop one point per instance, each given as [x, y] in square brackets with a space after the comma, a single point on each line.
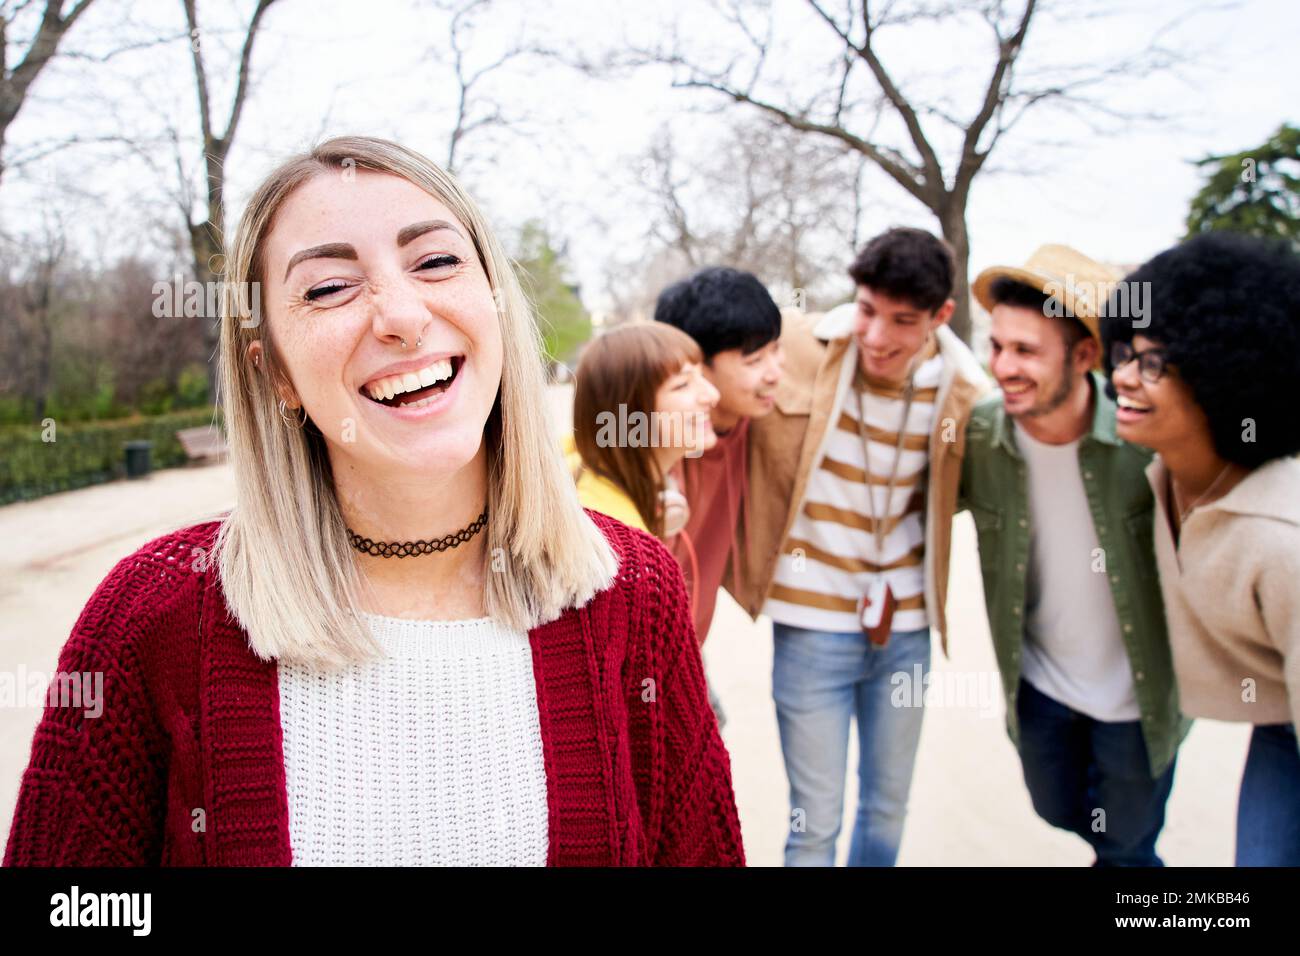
[1082, 284]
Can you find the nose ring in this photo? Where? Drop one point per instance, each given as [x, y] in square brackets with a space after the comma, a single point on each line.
[418, 342]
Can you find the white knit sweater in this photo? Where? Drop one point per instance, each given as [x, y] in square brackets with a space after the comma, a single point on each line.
[430, 756]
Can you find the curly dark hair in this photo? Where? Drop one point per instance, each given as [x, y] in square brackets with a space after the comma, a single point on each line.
[721, 308]
[1226, 309]
[908, 264]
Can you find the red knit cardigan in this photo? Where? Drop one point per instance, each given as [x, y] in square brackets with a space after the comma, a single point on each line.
[185, 765]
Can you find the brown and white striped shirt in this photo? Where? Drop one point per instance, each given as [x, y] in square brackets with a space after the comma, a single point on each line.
[830, 557]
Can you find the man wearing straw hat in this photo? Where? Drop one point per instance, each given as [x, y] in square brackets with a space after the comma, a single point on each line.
[1063, 516]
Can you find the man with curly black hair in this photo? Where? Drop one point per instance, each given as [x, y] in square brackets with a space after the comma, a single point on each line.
[1207, 373]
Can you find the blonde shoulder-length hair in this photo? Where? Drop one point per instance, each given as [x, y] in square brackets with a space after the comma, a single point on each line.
[286, 568]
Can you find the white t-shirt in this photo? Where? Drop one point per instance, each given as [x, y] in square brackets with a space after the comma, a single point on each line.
[1073, 650]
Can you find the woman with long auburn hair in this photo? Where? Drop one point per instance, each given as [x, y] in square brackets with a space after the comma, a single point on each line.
[408, 643]
[641, 404]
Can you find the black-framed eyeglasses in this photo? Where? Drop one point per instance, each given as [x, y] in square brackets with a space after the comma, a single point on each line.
[1151, 362]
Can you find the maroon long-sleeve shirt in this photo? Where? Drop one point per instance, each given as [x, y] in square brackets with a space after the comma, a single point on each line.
[716, 488]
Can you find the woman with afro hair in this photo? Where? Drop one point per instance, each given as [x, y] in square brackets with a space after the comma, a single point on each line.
[1202, 346]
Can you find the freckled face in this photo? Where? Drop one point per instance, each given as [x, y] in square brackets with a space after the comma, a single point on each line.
[353, 267]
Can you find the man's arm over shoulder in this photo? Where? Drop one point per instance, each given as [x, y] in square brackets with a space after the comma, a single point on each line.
[978, 429]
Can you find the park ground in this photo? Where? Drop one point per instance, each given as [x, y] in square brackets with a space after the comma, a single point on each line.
[969, 806]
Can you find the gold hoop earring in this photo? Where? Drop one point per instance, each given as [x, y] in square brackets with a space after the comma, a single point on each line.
[295, 421]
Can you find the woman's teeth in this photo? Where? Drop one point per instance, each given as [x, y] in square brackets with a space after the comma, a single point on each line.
[391, 386]
[1131, 405]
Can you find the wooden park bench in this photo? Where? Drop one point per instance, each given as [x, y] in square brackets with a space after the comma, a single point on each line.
[205, 443]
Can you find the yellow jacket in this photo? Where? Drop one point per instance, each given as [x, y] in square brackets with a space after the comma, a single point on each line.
[599, 493]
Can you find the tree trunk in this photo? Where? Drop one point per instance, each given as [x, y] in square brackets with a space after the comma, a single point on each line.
[45, 358]
[206, 248]
[952, 222]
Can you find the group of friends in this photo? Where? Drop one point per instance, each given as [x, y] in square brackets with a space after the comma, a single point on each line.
[1132, 475]
[409, 643]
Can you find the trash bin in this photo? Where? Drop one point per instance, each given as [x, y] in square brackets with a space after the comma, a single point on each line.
[137, 458]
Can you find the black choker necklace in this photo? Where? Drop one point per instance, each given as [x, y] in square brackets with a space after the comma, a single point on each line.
[406, 549]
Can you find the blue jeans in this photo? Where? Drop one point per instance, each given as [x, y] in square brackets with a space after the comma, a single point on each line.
[1268, 809]
[821, 680]
[1092, 777]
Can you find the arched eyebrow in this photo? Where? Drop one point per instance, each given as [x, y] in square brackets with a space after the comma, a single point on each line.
[417, 229]
[343, 250]
[330, 250]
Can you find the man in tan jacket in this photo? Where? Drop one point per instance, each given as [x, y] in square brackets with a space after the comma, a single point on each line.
[853, 483]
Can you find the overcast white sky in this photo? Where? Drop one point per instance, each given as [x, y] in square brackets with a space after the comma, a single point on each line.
[379, 67]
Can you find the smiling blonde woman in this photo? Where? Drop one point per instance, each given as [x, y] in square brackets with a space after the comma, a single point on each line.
[408, 643]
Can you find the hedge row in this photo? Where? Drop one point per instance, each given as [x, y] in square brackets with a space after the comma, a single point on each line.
[85, 453]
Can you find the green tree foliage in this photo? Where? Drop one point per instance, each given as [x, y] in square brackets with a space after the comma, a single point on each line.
[564, 322]
[1256, 191]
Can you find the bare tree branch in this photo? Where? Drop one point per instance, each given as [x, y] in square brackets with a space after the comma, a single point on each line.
[841, 113]
[994, 94]
[16, 82]
[207, 233]
[467, 79]
[899, 169]
[929, 159]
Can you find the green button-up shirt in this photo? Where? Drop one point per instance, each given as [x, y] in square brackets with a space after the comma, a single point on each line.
[994, 488]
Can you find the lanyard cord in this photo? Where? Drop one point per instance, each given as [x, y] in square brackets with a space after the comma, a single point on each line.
[878, 524]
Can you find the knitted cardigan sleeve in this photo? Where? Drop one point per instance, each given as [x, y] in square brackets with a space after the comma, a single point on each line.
[682, 768]
[93, 792]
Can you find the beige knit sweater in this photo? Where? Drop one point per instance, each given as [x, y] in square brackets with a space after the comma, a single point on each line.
[1232, 596]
